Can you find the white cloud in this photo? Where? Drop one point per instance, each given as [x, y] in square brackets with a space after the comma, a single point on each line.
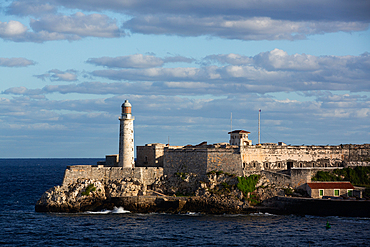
[15, 62]
[12, 29]
[57, 75]
[138, 61]
[131, 61]
[280, 60]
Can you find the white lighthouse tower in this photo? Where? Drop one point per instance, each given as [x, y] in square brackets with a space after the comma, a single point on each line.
[126, 137]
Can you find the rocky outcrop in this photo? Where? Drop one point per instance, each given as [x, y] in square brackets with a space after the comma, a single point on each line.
[216, 193]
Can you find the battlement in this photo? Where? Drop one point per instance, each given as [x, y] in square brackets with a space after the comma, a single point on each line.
[147, 175]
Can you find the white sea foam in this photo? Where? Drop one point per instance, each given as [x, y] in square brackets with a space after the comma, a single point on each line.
[115, 210]
[262, 214]
[119, 210]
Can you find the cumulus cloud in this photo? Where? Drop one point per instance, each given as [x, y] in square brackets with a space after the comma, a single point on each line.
[15, 62]
[137, 61]
[244, 28]
[272, 71]
[33, 8]
[57, 75]
[95, 25]
[188, 120]
[244, 20]
[281, 9]
[60, 27]
[266, 72]
[132, 61]
[12, 29]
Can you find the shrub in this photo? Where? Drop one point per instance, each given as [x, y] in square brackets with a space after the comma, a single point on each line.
[181, 175]
[89, 188]
[357, 176]
[288, 191]
[248, 184]
[219, 173]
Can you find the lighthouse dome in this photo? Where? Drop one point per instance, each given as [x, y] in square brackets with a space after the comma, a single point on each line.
[126, 104]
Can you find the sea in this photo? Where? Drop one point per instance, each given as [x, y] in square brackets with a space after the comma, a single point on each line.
[23, 181]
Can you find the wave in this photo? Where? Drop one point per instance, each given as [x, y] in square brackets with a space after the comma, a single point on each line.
[261, 214]
[115, 210]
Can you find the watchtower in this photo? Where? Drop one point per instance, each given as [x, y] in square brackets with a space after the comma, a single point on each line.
[126, 137]
[239, 138]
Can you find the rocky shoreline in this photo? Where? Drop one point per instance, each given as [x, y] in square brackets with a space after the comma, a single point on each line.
[216, 193]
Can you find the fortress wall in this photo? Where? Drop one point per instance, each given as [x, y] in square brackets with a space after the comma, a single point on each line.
[226, 160]
[277, 157]
[187, 160]
[278, 179]
[145, 175]
[300, 176]
[150, 155]
[356, 153]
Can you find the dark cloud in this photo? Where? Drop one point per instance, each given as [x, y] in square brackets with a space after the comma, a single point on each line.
[59, 27]
[244, 20]
[244, 28]
[95, 25]
[335, 10]
[15, 62]
[33, 8]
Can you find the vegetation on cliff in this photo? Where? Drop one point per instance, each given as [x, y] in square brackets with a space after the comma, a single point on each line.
[359, 176]
[88, 189]
[248, 184]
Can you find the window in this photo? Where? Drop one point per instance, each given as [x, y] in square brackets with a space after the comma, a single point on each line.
[267, 165]
[350, 193]
[254, 164]
[300, 165]
[336, 192]
[321, 193]
[279, 164]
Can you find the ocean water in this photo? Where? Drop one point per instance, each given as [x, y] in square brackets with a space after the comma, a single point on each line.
[22, 182]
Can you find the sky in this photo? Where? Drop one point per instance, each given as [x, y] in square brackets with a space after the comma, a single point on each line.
[192, 70]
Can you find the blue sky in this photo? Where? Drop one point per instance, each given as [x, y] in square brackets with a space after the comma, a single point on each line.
[66, 67]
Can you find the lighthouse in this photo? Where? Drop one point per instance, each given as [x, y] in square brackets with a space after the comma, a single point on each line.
[126, 137]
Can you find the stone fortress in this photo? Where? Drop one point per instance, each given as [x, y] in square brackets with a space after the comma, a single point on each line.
[282, 164]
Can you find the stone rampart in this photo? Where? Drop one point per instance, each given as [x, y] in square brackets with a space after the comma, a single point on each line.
[185, 160]
[359, 152]
[226, 160]
[269, 157]
[279, 179]
[146, 175]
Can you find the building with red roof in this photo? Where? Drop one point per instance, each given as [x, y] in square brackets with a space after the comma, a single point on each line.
[332, 189]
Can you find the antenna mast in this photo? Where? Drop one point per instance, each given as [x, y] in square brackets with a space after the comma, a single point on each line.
[259, 126]
[231, 122]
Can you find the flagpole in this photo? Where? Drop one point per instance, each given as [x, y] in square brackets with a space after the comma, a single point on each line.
[259, 126]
